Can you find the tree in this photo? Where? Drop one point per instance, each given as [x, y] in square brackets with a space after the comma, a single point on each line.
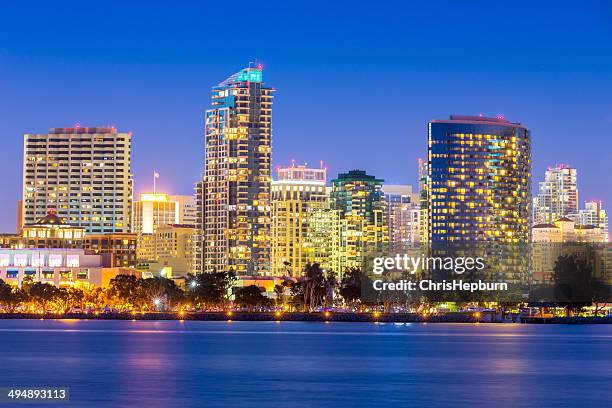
[126, 290]
[314, 286]
[350, 285]
[572, 283]
[208, 290]
[10, 297]
[95, 298]
[249, 296]
[161, 293]
[43, 295]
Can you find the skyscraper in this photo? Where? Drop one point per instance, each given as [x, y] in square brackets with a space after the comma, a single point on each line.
[296, 193]
[237, 175]
[557, 196]
[81, 172]
[593, 214]
[479, 180]
[359, 200]
[402, 214]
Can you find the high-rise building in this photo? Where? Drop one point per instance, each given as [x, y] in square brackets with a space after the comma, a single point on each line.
[479, 177]
[403, 215]
[81, 172]
[359, 199]
[296, 193]
[557, 196]
[593, 214]
[198, 238]
[423, 173]
[153, 210]
[237, 175]
[186, 209]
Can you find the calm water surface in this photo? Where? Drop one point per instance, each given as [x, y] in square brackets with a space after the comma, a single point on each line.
[290, 364]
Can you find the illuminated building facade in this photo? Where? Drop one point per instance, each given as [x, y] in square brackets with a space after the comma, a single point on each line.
[83, 173]
[296, 193]
[479, 177]
[403, 215]
[198, 250]
[423, 173]
[153, 210]
[557, 196]
[121, 247]
[170, 247]
[48, 232]
[358, 198]
[237, 175]
[593, 214]
[59, 267]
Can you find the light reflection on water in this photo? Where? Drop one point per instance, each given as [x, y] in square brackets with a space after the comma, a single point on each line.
[193, 364]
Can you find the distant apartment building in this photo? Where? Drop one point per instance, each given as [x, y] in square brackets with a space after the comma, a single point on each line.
[170, 247]
[593, 214]
[81, 172]
[186, 209]
[297, 192]
[557, 195]
[358, 198]
[565, 229]
[237, 175]
[198, 252]
[403, 215]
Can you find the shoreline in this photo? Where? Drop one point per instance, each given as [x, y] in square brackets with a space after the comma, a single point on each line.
[459, 317]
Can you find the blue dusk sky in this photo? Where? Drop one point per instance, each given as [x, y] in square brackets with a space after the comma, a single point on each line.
[356, 82]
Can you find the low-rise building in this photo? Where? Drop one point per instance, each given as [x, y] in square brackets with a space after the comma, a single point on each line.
[58, 266]
[121, 247]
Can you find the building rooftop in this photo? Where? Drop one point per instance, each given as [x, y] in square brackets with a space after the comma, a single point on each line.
[357, 175]
[478, 120]
[564, 219]
[545, 226]
[249, 74]
[83, 130]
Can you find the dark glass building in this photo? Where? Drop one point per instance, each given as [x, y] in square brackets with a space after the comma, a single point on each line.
[479, 180]
[359, 200]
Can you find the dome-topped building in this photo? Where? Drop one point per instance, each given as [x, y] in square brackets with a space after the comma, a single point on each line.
[52, 231]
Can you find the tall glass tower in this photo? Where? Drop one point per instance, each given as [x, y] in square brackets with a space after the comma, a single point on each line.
[237, 175]
[479, 180]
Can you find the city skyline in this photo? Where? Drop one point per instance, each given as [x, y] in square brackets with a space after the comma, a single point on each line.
[321, 98]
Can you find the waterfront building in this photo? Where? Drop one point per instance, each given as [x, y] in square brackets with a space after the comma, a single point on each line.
[153, 210]
[423, 216]
[358, 198]
[593, 214]
[198, 252]
[171, 247]
[296, 193]
[557, 195]
[479, 177]
[50, 231]
[551, 240]
[565, 229]
[325, 233]
[120, 247]
[403, 215]
[81, 172]
[59, 267]
[237, 175]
